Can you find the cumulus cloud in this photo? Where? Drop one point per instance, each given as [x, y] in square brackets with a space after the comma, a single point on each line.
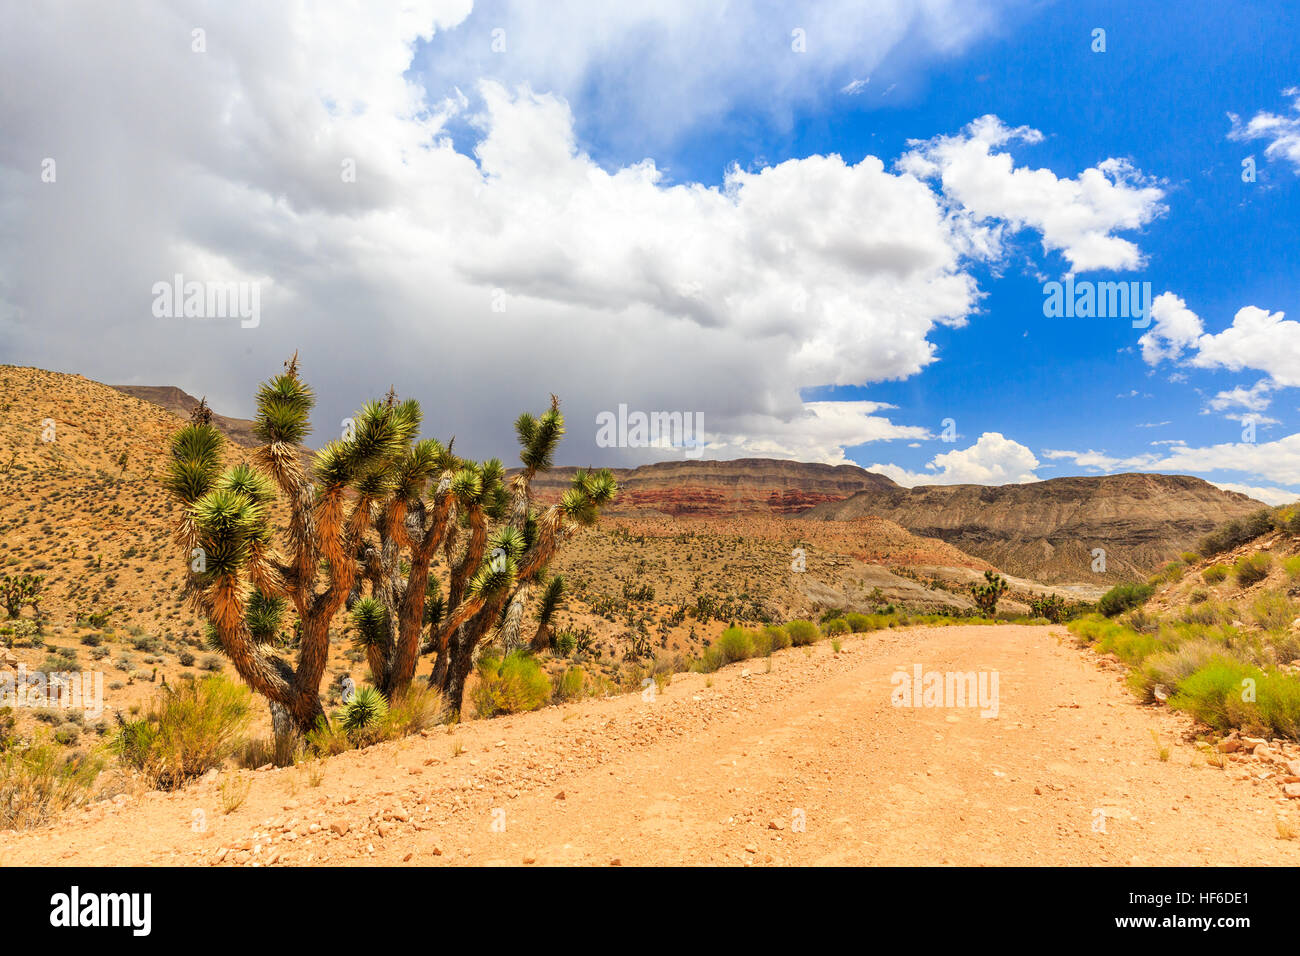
[1077, 217]
[1174, 327]
[467, 250]
[1257, 339]
[1277, 462]
[1280, 131]
[993, 460]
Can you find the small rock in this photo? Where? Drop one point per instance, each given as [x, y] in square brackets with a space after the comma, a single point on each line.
[1292, 790]
[775, 824]
[341, 827]
[1229, 745]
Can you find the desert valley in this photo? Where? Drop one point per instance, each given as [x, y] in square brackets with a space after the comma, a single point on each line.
[722, 625]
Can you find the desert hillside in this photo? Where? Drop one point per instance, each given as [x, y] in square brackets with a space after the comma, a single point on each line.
[81, 506]
[1049, 529]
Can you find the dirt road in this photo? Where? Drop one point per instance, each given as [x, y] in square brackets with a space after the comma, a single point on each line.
[808, 764]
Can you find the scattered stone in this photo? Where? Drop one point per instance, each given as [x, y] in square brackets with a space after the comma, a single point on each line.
[1292, 790]
[341, 827]
[775, 824]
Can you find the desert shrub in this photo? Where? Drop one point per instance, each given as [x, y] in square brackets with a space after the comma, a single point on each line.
[1124, 597]
[858, 622]
[1172, 667]
[211, 663]
[779, 636]
[39, 782]
[1250, 569]
[837, 627]
[418, 708]
[186, 658]
[1173, 571]
[68, 734]
[569, 684]
[91, 640]
[510, 686]
[1212, 694]
[1208, 612]
[802, 633]
[564, 643]
[1292, 566]
[59, 663]
[1189, 557]
[1235, 533]
[188, 730]
[1214, 573]
[735, 644]
[1273, 610]
[761, 643]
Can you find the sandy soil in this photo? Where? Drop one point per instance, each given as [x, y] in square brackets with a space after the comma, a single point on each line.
[807, 764]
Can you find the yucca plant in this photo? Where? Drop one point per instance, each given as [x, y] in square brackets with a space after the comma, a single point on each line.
[366, 708]
[364, 524]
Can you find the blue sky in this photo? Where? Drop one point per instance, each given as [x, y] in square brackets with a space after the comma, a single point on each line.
[1160, 95]
[623, 205]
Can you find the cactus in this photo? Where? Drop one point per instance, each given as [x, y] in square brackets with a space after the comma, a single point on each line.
[370, 514]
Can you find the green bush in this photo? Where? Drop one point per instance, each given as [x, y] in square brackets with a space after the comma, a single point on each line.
[1237, 532]
[187, 731]
[569, 684]
[802, 633]
[39, 782]
[837, 627]
[778, 635]
[858, 623]
[1273, 610]
[510, 686]
[1292, 566]
[1215, 573]
[1124, 597]
[1251, 569]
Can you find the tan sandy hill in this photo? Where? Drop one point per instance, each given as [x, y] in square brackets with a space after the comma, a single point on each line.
[1048, 529]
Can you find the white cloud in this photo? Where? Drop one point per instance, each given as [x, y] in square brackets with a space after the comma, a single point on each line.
[1174, 328]
[1257, 339]
[992, 460]
[1281, 131]
[1077, 217]
[1268, 495]
[1253, 399]
[1277, 461]
[477, 283]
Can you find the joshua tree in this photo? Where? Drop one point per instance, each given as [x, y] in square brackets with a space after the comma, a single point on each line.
[371, 513]
[552, 594]
[19, 590]
[987, 594]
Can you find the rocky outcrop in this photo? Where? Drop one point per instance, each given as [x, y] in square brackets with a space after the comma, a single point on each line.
[746, 486]
[1049, 529]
